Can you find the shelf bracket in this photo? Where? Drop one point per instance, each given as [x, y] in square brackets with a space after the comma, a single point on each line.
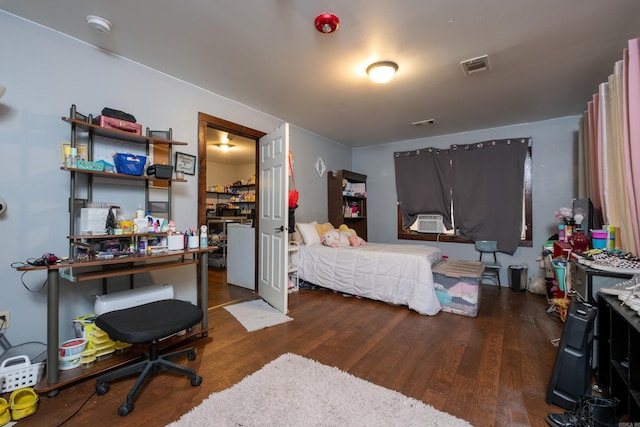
[67, 273]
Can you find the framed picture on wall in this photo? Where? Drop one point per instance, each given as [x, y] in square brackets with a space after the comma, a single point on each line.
[185, 163]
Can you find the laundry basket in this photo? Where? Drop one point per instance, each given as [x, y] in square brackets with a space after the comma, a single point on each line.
[36, 351]
[18, 372]
[21, 365]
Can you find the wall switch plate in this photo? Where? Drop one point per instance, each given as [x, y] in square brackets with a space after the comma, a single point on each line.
[5, 324]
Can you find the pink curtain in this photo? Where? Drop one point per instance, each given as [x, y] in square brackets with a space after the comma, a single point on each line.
[610, 143]
[594, 155]
[617, 195]
[632, 126]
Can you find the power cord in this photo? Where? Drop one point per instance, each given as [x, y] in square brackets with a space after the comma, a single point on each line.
[19, 264]
[77, 410]
[28, 288]
[45, 259]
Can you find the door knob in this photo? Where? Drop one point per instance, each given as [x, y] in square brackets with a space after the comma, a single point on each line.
[281, 228]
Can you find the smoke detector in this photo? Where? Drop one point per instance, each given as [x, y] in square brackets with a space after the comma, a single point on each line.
[475, 65]
[99, 24]
[427, 122]
[326, 23]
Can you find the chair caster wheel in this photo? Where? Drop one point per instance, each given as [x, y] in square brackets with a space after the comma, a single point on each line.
[102, 388]
[191, 356]
[124, 409]
[196, 381]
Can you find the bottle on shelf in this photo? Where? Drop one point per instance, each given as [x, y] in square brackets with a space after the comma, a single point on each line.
[204, 239]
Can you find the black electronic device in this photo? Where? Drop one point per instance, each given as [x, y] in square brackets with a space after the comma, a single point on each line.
[160, 171]
[572, 372]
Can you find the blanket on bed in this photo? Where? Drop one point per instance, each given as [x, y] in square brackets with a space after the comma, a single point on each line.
[393, 273]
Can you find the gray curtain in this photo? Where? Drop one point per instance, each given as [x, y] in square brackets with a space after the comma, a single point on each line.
[423, 183]
[487, 186]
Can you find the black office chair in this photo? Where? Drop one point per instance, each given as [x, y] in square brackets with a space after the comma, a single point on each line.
[149, 323]
[491, 269]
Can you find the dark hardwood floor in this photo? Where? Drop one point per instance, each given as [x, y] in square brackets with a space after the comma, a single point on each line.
[492, 370]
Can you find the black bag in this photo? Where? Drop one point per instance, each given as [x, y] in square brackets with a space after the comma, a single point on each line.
[117, 114]
[292, 219]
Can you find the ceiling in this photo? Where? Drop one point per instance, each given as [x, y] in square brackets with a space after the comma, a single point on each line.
[242, 151]
[546, 57]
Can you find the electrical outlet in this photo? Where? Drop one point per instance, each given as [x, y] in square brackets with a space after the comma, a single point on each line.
[4, 324]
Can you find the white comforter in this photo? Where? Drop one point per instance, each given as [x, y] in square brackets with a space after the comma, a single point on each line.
[397, 274]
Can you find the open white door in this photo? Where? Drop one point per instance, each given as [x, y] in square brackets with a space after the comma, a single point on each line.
[273, 218]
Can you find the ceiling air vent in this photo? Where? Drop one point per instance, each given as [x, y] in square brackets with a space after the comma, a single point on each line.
[475, 65]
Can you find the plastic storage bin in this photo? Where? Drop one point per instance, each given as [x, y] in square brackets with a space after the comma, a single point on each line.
[458, 286]
[599, 239]
[129, 164]
[18, 372]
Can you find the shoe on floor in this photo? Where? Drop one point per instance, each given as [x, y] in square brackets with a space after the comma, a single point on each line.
[565, 420]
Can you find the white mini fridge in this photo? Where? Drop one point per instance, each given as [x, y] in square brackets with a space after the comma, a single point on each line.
[241, 255]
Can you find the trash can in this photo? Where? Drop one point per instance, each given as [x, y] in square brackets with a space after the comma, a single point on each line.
[518, 277]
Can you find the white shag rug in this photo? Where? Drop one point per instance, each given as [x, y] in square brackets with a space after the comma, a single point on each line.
[295, 391]
[256, 314]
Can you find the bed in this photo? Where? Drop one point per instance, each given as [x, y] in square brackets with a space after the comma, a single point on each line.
[393, 273]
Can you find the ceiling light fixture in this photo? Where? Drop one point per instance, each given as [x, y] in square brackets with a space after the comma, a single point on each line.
[382, 71]
[327, 23]
[99, 24]
[224, 147]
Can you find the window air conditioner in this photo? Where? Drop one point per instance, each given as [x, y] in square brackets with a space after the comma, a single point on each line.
[429, 224]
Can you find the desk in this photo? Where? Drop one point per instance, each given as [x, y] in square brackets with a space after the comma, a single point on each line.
[619, 371]
[588, 281]
[130, 265]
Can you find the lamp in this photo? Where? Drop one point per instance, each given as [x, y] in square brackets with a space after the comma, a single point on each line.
[382, 71]
[224, 147]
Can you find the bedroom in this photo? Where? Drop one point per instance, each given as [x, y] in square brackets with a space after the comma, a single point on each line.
[46, 72]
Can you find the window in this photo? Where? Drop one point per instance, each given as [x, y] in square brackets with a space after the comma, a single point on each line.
[482, 188]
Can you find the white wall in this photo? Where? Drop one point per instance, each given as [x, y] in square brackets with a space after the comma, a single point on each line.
[223, 174]
[45, 73]
[307, 148]
[553, 164]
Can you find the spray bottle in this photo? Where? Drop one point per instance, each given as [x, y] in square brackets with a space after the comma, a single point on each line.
[204, 239]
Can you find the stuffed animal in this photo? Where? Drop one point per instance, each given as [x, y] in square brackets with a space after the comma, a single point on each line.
[333, 238]
[355, 240]
[350, 233]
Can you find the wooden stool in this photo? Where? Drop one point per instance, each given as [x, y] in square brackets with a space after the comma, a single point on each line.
[149, 323]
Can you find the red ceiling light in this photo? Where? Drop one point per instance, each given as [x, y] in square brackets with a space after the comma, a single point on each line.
[327, 23]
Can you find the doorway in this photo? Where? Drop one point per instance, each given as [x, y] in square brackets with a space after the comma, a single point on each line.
[213, 134]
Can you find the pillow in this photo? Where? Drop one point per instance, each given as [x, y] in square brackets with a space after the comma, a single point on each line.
[345, 227]
[323, 228]
[308, 232]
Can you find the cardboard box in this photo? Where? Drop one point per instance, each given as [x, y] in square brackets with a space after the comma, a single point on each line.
[93, 220]
[457, 286]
